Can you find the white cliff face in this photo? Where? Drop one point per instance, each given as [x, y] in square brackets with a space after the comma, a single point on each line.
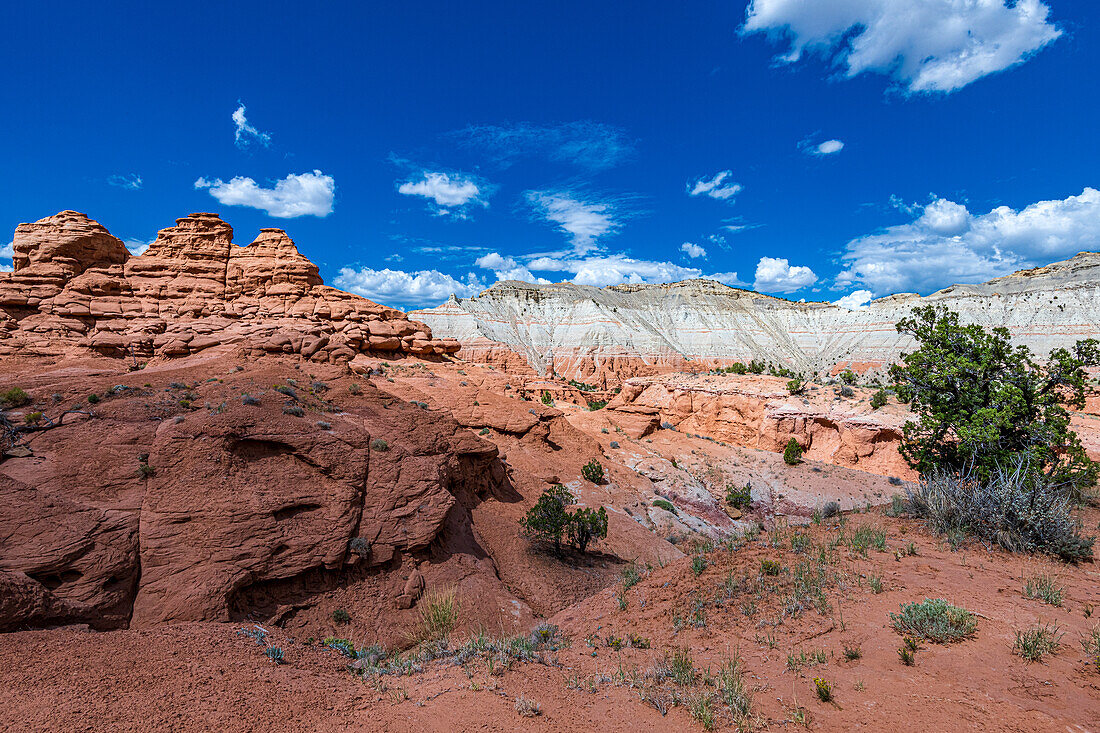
[583, 331]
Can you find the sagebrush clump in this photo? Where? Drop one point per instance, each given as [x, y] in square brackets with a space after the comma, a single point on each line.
[935, 620]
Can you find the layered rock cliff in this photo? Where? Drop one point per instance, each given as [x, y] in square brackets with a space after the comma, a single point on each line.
[620, 331]
[75, 286]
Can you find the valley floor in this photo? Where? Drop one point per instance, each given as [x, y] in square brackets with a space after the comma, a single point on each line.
[820, 616]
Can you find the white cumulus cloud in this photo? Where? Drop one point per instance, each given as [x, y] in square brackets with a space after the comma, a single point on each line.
[693, 250]
[717, 187]
[596, 270]
[776, 275]
[856, 300]
[305, 194]
[406, 289]
[948, 244]
[506, 268]
[8, 250]
[245, 134]
[451, 193]
[924, 45]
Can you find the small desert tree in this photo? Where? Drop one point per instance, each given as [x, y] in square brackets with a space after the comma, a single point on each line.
[792, 454]
[550, 521]
[982, 403]
[586, 525]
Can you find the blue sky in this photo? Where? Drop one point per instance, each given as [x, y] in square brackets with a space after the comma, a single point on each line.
[826, 151]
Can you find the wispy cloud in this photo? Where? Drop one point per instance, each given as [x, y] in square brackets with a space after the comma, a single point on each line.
[305, 194]
[131, 182]
[719, 186]
[924, 45]
[585, 220]
[245, 134]
[585, 144]
[137, 246]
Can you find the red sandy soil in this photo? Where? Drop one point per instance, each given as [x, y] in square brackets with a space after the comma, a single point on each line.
[209, 677]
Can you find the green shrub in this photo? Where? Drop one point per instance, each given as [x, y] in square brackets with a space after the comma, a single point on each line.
[32, 418]
[770, 567]
[792, 454]
[982, 404]
[796, 386]
[665, 504]
[739, 497]
[878, 399]
[379, 445]
[549, 521]
[736, 368]
[294, 410]
[698, 565]
[586, 525]
[1037, 642]
[275, 654]
[93, 399]
[438, 613]
[597, 405]
[546, 398]
[354, 388]
[934, 619]
[340, 616]
[14, 397]
[848, 376]
[756, 367]
[679, 666]
[1044, 588]
[1090, 642]
[593, 471]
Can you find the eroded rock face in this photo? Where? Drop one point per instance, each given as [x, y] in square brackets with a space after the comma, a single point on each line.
[76, 287]
[239, 500]
[758, 412]
[602, 335]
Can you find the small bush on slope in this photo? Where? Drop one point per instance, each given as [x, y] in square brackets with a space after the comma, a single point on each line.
[935, 620]
[1012, 508]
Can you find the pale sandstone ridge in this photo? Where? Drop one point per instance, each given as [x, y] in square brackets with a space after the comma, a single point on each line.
[600, 334]
[76, 286]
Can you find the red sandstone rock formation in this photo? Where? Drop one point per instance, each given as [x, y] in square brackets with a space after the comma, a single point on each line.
[76, 286]
[242, 500]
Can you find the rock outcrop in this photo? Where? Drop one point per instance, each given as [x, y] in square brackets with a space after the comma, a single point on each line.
[151, 509]
[609, 334]
[77, 287]
[758, 412]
